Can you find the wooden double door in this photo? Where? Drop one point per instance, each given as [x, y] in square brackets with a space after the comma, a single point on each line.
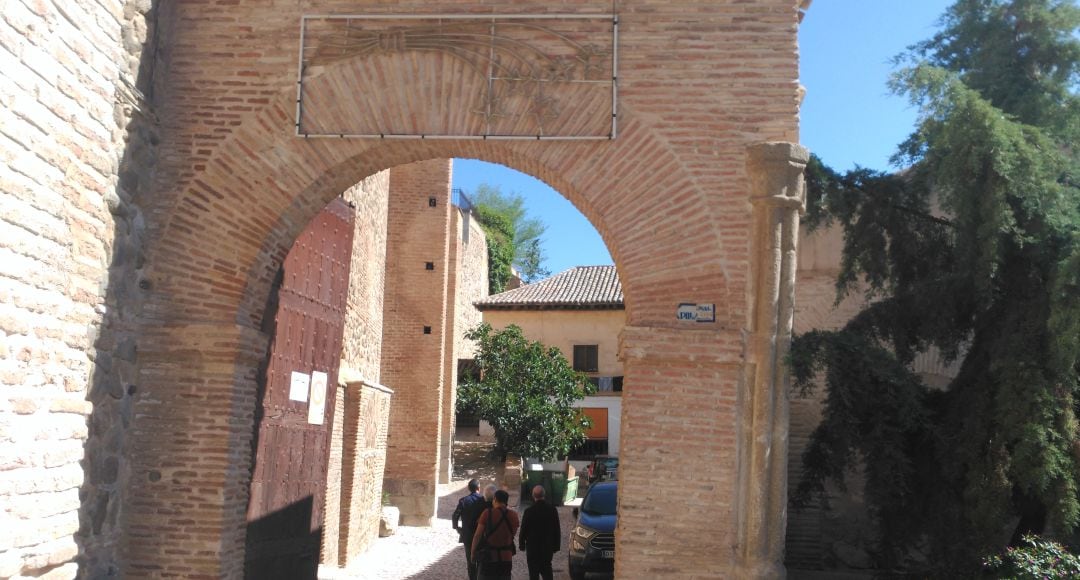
[297, 392]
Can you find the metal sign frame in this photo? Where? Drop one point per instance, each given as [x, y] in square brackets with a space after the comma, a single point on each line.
[492, 19]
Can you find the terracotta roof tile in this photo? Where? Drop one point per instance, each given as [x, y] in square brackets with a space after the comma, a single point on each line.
[584, 287]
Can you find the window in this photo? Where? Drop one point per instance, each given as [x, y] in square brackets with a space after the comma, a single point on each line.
[467, 370]
[585, 358]
[616, 384]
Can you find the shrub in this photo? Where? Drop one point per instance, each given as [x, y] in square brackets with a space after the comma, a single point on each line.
[1035, 558]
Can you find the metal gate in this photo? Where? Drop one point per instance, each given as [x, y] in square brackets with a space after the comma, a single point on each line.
[296, 405]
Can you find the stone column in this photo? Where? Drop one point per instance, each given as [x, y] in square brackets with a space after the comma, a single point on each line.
[777, 194]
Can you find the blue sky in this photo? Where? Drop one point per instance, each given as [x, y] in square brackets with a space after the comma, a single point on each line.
[848, 117]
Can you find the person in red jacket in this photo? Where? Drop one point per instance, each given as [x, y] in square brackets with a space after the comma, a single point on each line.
[493, 544]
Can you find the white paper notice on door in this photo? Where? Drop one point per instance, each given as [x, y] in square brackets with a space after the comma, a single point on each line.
[298, 387]
[317, 409]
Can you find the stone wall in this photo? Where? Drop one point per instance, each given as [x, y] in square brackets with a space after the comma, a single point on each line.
[468, 283]
[367, 414]
[472, 283]
[840, 537]
[78, 142]
[364, 320]
[361, 351]
[332, 510]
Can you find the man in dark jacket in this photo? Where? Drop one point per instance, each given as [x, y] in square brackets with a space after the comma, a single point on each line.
[540, 535]
[464, 521]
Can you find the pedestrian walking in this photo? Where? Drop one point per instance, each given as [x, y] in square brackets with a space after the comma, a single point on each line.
[540, 535]
[493, 544]
[464, 521]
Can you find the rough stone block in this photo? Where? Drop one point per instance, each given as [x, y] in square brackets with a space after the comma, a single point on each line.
[388, 521]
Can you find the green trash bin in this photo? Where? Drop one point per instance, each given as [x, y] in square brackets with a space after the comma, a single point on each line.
[531, 480]
[558, 488]
[571, 489]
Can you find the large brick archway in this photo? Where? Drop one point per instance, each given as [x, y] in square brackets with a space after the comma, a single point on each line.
[692, 209]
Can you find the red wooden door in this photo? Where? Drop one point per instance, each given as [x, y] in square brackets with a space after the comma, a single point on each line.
[288, 484]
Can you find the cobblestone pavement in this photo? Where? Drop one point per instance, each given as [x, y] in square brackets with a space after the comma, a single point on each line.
[434, 553]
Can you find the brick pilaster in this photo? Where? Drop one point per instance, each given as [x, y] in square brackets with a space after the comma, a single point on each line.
[414, 327]
[190, 450]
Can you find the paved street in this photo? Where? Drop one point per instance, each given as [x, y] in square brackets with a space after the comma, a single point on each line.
[433, 553]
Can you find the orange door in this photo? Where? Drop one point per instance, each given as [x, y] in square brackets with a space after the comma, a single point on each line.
[599, 422]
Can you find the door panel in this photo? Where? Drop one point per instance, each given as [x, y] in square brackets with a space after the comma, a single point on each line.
[288, 484]
[598, 415]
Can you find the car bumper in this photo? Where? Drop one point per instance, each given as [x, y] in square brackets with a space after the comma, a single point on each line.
[592, 561]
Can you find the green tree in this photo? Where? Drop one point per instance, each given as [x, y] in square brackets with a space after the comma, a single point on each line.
[526, 392]
[521, 233]
[499, 233]
[973, 250]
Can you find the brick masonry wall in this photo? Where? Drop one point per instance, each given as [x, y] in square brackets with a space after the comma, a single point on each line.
[361, 350]
[368, 417]
[698, 82]
[449, 377]
[78, 143]
[414, 327]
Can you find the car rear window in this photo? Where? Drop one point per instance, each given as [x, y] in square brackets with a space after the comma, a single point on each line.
[600, 501]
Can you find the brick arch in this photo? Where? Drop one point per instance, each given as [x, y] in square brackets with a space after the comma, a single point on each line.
[662, 189]
[683, 214]
[231, 223]
[262, 185]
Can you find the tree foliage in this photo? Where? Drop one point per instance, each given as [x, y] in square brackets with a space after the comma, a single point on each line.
[1034, 559]
[974, 251]
[526, 392]
[500, 245]
[517, 236]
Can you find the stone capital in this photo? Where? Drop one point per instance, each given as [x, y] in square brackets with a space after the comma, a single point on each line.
[775, 169]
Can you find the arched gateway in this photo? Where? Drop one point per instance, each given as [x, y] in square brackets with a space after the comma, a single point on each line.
[671, 125]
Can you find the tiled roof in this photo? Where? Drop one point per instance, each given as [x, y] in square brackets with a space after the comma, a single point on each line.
[584, 287]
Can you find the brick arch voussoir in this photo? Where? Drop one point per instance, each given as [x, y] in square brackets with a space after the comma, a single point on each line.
[386, 155]
[234, 220]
